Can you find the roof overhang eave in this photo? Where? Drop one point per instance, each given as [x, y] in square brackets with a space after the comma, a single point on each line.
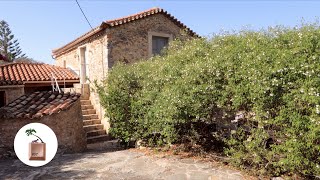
[57, 52]
[59, 81]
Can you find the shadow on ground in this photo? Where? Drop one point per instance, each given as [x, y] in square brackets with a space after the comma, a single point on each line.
[101, 163]
[63, 166]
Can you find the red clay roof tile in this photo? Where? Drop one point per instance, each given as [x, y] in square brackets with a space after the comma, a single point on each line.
[19, 73]
[38, 104]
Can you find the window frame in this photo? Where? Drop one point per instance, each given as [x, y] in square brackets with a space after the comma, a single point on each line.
[151, 34]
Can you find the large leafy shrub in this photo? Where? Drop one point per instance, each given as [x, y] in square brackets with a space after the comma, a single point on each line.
[270, 77]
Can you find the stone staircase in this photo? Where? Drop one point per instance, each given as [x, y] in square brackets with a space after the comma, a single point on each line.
[92, 124]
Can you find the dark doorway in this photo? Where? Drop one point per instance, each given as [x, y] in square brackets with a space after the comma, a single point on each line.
[2, 98]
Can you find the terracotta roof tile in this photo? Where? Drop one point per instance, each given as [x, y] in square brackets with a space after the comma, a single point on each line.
[121, 21]
[38, 104]
[19, 73]
[145, 14]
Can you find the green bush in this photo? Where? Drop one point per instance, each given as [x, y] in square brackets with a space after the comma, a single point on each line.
[272, 77]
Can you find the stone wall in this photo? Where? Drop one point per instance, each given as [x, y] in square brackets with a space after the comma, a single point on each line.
[129, 42]
[96, 59]
[12, 92]
[67, 125]
[70, 59]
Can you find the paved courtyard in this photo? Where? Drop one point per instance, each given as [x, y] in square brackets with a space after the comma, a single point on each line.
[121, 164]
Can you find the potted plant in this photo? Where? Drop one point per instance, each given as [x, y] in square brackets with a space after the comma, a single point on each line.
[37, 150]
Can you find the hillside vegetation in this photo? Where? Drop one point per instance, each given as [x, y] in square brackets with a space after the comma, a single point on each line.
[254, 93]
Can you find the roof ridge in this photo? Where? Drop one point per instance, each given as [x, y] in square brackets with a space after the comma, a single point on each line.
[30, 63]
[141, 12]
[12, 63]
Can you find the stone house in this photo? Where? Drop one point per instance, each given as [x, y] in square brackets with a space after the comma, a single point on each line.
[127, 39]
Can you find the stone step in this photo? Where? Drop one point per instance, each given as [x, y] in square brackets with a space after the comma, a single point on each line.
[84, 98]
[90, 116]
[100, 138]
[85, 102]
[86, 107]
[88, 111]
[91, 122]
[93, 127]
[96, 133]
[105, 145]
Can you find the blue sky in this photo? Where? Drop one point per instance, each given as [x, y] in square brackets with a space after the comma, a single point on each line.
[41, 26]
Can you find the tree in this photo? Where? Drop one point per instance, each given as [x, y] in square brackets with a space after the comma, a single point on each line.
[30, 132]
[27, 60]
[9, 47]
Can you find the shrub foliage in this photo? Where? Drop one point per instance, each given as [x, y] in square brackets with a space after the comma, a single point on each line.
[270, 77]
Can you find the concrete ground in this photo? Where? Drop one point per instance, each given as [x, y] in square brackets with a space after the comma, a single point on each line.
[121, 164]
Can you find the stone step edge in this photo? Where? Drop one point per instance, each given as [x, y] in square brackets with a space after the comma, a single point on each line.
[87, 106]
[92, 120]
[88, 121]
[88, 110]
[93, 125]
[103, 132]
[89, 114]
[96, 130]
[96, 137]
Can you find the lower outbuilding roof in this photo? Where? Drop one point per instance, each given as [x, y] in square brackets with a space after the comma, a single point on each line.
[21, 73]
[38, 104]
